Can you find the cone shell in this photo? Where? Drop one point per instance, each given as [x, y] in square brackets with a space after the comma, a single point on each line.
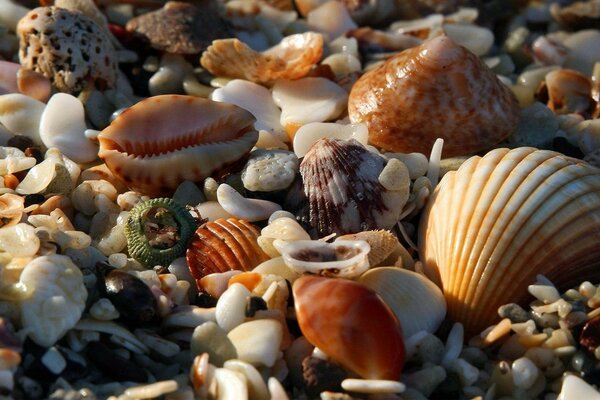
[492, 226]
[224, 245]
[351, 324]
[341, 182]
[162, 141]
[436, 90]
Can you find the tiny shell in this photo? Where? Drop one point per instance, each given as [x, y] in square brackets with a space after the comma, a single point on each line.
[438, 75]
[351, 324]
[162, 141]
[522, 212]
[382, 243]
[291, 59]
[342, 258]
[224, 245]
[417, 302]
[569, 91]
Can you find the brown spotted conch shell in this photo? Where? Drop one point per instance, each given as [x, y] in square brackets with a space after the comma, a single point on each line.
[162, 141]
[492, 226]
[436, 90]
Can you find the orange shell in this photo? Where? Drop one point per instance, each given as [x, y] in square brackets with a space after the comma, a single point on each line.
[162, 141]
[351, 324]
[224, 245]
[436, 90]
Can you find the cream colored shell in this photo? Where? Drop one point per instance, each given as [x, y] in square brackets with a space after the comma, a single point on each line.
[493, 225]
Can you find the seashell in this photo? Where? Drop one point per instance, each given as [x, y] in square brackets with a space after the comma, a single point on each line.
[62, 125]
[181, 28]
[21, 115]
[13, 160]
[345, 195]
[351, 324]
[523, 212]
[249, 209]
[292, 58]
[85, 51]
[382, 243]
[310, 133]
[11, 209]
[577, 15]
[309, 100]
[417, 302]
[285, 230]
[162, 141]
[331, 18]
[434, 76]
[547, 51]
[569, 92]
[342, 258]
[270, 170]
[224, 245]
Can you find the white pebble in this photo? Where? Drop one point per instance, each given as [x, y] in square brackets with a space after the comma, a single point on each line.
[104, 310]
[310, 133]
[54, 361]
[257, 388]
[231, 307]
[373, 386]
[276, 390]
[21, 114]
[257, 342]
[524, 373]
[547, 294]
[251, 210]
[575, 388]
[454, 344]
[152, 390]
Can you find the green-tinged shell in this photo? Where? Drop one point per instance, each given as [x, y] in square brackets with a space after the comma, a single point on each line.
[140, 246]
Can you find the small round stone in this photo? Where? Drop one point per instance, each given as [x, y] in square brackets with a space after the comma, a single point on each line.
[270, 170]
[524, 373]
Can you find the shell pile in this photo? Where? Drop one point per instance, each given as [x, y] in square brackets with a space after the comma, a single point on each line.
[300, 199]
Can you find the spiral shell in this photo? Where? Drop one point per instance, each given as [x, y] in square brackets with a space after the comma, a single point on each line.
[224, 245]
[162, 141]
[436, 90]
[493, 225]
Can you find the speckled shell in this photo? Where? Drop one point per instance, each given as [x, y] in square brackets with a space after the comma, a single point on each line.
[436, 90]
[161, 141]
[351, 324]
[224, 245]
[492, 226]
[341, 184]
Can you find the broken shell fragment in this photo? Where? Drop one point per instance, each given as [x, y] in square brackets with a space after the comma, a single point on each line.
[569, 91]
[382, 243]
[291, 59]
[342, 258]
[351, 324]
[512, 215]
[474, 110]
[162, 141]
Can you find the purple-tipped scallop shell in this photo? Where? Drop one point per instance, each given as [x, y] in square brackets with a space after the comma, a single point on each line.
[344, 190]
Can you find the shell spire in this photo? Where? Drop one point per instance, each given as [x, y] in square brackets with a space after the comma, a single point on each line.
[436, 90]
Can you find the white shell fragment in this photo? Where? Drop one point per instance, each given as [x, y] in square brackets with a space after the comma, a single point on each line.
[309, 100]
[62, 125]
[257, 342]
[373, 386]
[57, 301]
[19, 240]
[21, 115]
[343, 258]
[310, 133]
[14, 160]
[249, 209]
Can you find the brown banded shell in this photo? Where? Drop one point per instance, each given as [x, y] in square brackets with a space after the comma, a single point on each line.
[162, 141]
[291, 59]
[436, 90]
[492, 226]
[224, 245]
[344, 192]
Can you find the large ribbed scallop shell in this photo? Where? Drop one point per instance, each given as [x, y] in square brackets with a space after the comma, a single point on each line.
[291, 59]
[224, 245]
[493, 225]
[344, 193]
[161, 141]
[436, 90]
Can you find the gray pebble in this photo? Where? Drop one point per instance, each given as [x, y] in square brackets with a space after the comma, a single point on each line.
[426, 380]
[270, 170]
[514, 312]
[430, 349]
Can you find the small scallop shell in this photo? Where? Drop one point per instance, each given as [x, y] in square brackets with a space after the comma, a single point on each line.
[224, 245]
[382, 243]
[291, 59]
[351, 324]
[492, 226]
[342, 258]
[162, 141]
[417, 302]
[473, 109]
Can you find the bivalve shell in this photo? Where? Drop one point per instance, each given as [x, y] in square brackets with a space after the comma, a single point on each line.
[162, 141]
[436, 90]
[224, 245]
[351, 324]
[492, 226]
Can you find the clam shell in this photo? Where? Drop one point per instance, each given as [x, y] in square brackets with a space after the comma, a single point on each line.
[162, 141]
[473, 109]
[417, 302]
[492, 226]
[224, 245]
[351, 324]
[341, 182]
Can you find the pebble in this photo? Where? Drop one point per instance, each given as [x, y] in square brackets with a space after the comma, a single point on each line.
[331, 18]
[257, 342]
[257, 388]
[310, 133]
[547, 294]
[514, 312]
[425, 380]
[270, 170]
[230, 310]
[211, 339]
[244, 208]
[575, 388]
[524, 373]
[373, 386]
[21, 115]
[537, 127]
[54, 361]
[104, 310]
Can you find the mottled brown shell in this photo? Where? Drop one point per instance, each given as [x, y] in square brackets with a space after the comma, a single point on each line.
[224, 245]
[436, 90]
